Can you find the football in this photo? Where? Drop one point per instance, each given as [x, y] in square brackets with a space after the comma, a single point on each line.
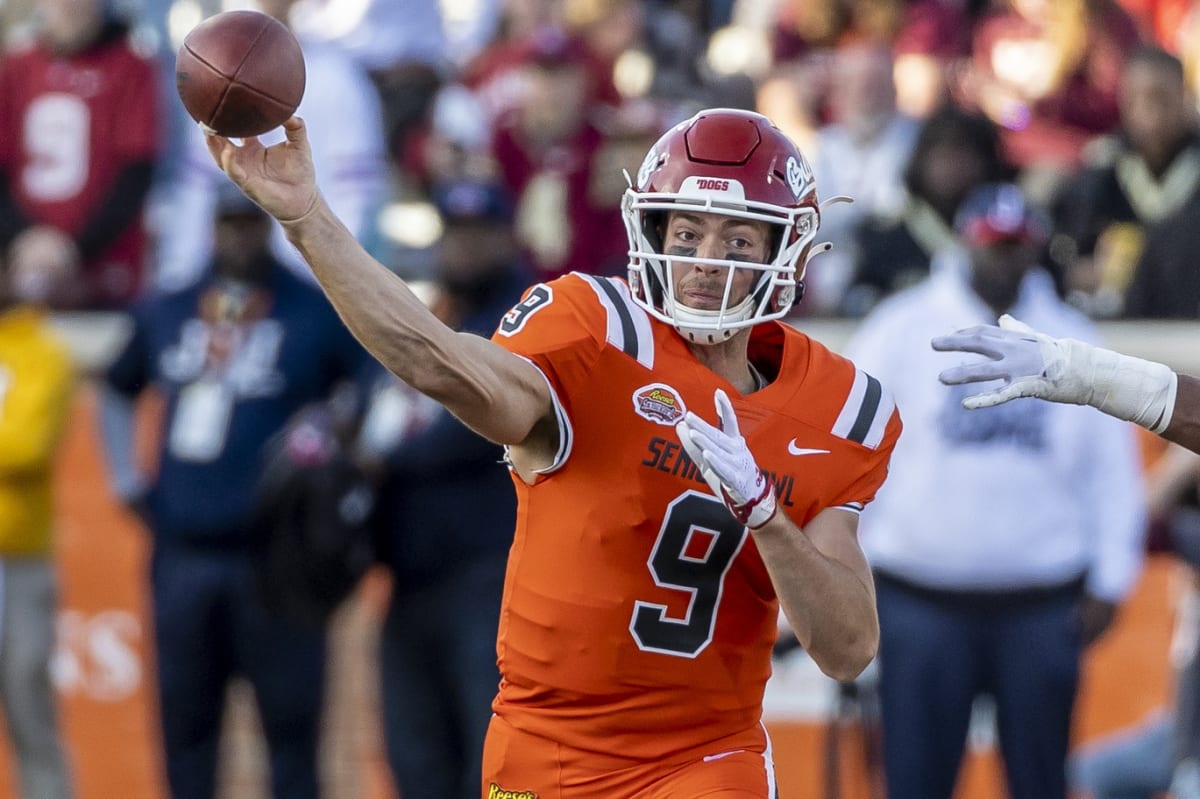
[240, 73]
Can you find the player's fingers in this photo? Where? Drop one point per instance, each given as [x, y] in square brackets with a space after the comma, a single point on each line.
[697, 424]
[973, 373]
[969, 340]
[297, 134]
[991, 398]
[216, 146]
[684, 432]
[1011, 323]
[725, 413]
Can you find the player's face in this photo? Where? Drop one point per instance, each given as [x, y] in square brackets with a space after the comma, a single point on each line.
[705, 235]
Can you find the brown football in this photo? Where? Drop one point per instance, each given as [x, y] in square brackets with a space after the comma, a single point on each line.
[240, 73]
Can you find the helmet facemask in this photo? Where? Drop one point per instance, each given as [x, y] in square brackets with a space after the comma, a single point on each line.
[773, 290]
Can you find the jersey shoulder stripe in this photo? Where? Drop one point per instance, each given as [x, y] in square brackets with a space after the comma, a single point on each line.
[628, 326]
[865, 414]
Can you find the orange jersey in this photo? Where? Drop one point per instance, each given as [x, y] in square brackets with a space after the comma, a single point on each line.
[638, 618]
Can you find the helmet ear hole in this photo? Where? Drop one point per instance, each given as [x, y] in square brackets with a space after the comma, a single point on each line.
[653, 228]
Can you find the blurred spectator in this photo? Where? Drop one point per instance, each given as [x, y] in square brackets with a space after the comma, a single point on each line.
[956, 151]
[978, 595]
[802, 27]
[1161, 752]
[1047, 72]
[454, 143]
[1187, 45]
[79, 138]
[676, 41]
[446, 521]
[234, 357]
[402, 46]
[499, 75]
[36, 389]
[548, 150]
[341, 108]
[927, 39]
[791, 95]
[1160, 20]
[1166, 282]
[929, 50]
[1125, 219]
[862, 154]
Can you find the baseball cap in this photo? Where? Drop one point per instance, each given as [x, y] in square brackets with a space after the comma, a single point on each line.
[472, 201]
[997, 212]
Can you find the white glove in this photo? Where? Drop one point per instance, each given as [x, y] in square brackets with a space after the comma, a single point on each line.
[1032, 364]
[727, 465]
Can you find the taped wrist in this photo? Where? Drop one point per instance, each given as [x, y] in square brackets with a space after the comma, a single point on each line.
[1134, 389]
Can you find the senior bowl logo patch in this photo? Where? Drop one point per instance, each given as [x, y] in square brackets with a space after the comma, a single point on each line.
[659, 403]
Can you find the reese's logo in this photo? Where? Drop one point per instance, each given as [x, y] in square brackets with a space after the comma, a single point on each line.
[659, 403]
[496, 792]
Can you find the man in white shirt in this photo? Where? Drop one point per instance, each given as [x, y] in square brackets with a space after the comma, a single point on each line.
[1003, 542]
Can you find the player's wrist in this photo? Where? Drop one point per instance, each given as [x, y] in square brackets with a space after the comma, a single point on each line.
[759, 509]
[1130, 388]
[313, 205]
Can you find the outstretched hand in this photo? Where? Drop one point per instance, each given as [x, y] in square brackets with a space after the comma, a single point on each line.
[727, 464]
[280, 178]
[1016, 354]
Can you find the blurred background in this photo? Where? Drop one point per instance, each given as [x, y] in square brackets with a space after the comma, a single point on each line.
[109, 200]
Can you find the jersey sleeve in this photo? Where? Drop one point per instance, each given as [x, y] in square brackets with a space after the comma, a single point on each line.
[870, 422]
[559, 327]
[862, 489]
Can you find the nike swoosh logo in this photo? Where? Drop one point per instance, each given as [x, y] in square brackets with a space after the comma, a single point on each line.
[794, 450]
[711, 758]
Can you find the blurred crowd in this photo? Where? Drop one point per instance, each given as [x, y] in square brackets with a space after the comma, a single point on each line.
[476, 148]
[901, 105]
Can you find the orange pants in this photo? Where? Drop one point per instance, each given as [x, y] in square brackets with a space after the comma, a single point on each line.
[517, 765]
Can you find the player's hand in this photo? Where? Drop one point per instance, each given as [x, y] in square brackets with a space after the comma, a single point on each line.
[1031, 364]
[727, 465]
[280, 178]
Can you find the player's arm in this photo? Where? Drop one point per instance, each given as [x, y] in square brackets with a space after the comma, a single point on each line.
[496, 393]
[820, 574]
[1184, 427]
[825, 588]
[1032, 364]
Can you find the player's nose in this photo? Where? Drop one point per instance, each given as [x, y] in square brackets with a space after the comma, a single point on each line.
[710, 247]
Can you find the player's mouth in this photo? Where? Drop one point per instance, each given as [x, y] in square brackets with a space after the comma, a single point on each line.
[703, 296]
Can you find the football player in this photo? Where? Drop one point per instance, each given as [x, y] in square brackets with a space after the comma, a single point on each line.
[685, 463]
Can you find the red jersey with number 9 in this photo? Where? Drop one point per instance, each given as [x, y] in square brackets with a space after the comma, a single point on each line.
[68, 125]
[638, 618]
